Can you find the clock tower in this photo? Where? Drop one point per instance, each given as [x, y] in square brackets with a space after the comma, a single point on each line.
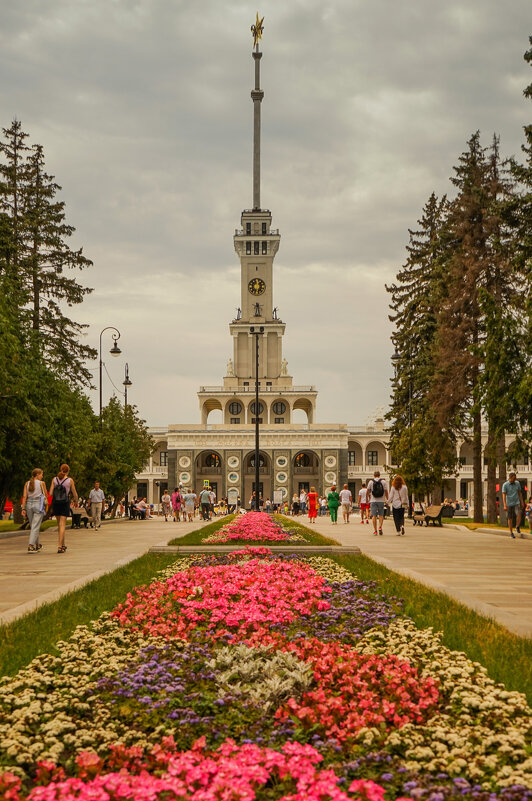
[256, 244]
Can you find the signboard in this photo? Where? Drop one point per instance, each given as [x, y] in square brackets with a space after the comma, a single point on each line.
[206, 482]
[278, 496]
[232, 496]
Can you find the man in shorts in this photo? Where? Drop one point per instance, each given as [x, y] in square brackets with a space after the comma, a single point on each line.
[205, 502]
[364, 505]
[346, 499]
[512, 498]
[377, 494]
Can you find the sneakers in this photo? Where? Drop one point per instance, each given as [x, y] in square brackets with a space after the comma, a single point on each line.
[380, 532]
[374, 533]
[361, 522]
[518, 529]
[34, 548]
[512, 535]
[402, 531]
[367, 521]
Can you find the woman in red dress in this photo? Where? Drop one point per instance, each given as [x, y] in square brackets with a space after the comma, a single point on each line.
[312, 500]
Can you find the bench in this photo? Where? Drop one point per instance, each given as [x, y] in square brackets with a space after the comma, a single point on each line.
[434, 514]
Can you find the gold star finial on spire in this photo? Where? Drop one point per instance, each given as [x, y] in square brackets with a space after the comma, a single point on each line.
[257, 29]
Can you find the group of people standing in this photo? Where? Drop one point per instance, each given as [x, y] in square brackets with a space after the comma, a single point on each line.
[36, 505]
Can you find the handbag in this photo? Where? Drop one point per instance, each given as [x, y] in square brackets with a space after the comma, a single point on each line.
[42, 504]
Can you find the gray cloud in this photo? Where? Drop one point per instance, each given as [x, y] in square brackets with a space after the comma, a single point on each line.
[144, 112]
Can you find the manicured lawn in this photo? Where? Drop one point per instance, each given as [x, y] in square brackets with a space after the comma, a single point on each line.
[39, 631]
[507, 657]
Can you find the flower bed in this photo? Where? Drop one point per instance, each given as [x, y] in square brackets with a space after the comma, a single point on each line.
[253, 675]
[254, 527]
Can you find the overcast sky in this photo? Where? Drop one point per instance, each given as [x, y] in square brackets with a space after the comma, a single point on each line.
[143, 109]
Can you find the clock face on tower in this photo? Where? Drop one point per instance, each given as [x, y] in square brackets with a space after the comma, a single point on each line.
[256, 286]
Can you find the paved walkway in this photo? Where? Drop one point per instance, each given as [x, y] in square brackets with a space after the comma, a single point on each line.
[29, 580]
[489, 573]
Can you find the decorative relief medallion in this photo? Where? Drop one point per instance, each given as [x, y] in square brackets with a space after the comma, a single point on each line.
[184, 478]
[281, 478]
[233, 478]
[283, 491]
[330, 477]
[330, 461]
[281, 461]
[184, 462]
[233, 462]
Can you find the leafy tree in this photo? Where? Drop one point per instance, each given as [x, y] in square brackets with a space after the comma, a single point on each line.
[122, 449]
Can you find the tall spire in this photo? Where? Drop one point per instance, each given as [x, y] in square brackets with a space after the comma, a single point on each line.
[256, 95]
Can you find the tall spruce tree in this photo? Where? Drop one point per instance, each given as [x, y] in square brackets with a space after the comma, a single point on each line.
[522, 226]
[423, 450]
[471, 382]
[40, 256]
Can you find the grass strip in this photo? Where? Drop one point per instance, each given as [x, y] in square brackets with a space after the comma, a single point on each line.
[38, 631]
[506, 656]
[8, 525]
[468, 522]
[312, 537]
[197, 537]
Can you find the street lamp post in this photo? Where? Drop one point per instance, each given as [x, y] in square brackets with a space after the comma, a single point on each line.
[115, 351]
[257, 331]
[126, 383]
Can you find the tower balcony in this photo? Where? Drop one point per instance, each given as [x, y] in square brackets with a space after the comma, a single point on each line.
[271, 232]
[250, 388]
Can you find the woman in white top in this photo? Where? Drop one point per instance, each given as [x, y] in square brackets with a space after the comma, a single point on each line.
[35, 505]
[398, 499]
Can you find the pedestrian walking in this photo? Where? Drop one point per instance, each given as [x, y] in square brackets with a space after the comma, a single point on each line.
[190, 502]
[295, 505]
[398, 498]
[96, 499]
[166, 502]
[62, 487]
[346, 499]
[333, 502]
[377, 494]
[303, 502]
[35, 506]
[312, 500]
[177, 503]
[205, 502]
[212, 501]
[512, 498]
[364, 505]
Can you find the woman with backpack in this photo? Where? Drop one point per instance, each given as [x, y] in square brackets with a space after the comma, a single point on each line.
[34, 506]
[61, 488]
